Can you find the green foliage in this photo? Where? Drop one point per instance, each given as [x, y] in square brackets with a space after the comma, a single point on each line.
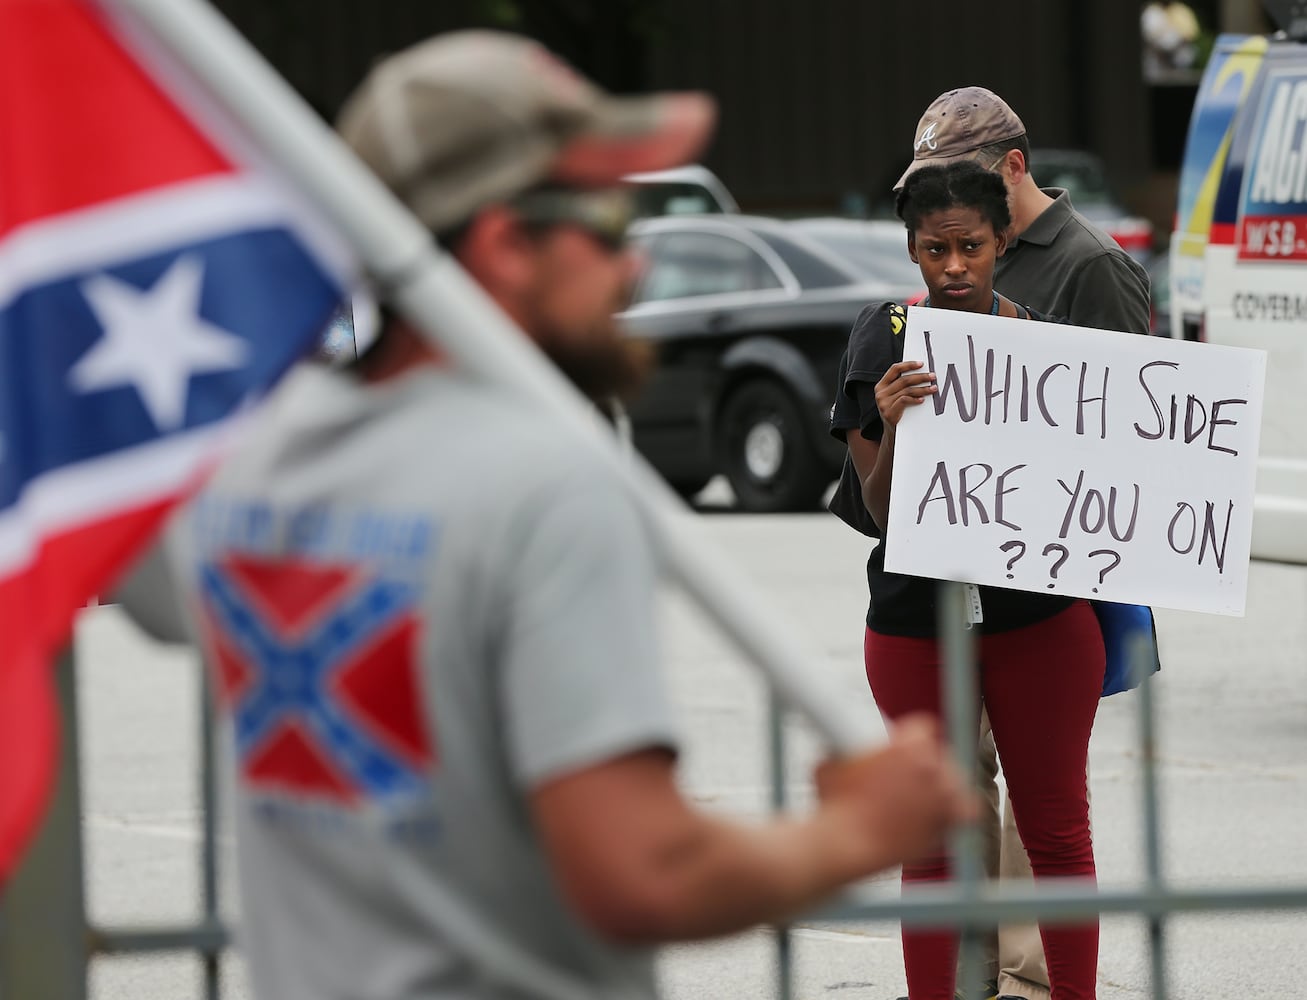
[500, 13]
[1203, 46]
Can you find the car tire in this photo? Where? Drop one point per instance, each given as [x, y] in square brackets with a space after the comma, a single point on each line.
[765, 451]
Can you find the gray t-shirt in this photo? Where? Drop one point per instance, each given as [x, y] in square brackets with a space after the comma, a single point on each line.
[1067, 267]
[420, 603]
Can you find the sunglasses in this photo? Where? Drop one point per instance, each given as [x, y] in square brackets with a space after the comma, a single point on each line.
[603, 214]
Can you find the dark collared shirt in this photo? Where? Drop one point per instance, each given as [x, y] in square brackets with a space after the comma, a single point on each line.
[1067, 267]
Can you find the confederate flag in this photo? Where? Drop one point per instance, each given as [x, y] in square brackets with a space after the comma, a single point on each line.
[154, 281]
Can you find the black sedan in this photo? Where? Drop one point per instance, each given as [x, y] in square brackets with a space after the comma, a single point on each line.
[750, 317]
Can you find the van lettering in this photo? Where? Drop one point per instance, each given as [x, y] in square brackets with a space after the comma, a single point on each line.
[1281, 172]
[1269, 306]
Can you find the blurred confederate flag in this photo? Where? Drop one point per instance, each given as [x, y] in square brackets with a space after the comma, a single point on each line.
[153, 282]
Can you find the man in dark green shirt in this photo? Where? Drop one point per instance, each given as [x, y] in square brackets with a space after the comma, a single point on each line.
[1057, 261]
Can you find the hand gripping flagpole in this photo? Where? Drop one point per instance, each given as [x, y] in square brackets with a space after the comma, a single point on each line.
[429, 288]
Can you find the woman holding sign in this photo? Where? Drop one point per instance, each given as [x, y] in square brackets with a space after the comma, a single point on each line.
[1041, 657]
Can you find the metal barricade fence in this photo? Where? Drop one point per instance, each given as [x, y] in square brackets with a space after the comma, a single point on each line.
[46, 942]
[975, 906]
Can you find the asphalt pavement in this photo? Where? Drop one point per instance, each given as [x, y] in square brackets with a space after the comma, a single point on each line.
[1233, 766]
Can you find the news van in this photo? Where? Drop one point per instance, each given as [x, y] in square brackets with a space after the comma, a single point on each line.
[1239, 255]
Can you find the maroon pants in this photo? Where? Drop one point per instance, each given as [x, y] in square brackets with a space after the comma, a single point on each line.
[1041, 685]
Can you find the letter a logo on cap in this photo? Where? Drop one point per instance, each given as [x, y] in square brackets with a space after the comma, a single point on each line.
[927, 138]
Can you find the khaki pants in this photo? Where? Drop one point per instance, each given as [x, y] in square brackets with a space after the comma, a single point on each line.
[1015, 955]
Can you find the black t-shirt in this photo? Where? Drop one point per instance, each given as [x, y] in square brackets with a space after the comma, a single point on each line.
[903, 605]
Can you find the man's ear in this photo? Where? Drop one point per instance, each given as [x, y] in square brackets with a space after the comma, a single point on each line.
[497, 252]
[1000, 243]
[912, 247]
[1014, 167]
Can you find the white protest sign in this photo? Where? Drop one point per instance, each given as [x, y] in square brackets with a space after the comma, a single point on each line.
[1062, 460]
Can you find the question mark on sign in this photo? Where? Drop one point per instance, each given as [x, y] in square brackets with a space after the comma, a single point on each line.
[1116, 556]
[1057, 565]
[1007, 547]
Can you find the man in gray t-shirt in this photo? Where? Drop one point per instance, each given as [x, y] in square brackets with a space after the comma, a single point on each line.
[394, 619]
[430, 613]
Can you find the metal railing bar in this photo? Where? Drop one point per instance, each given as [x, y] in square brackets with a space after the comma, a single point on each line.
[776, 765]
[962, 714]
[1139, 655]
[208, 938]
[209, 833]
[929, 905]
[943, 906]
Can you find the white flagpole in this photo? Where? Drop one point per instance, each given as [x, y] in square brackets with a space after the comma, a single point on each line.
[434, 293]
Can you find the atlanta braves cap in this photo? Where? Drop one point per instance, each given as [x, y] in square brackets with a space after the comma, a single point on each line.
[470, 118]
[959, 124]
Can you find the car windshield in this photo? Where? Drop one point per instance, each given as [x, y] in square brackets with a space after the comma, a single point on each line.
[877, 252]
[811, 267]
[1083, 178]
[673, 198]
[688, 264]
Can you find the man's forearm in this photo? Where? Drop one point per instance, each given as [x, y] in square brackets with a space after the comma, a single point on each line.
[727, 877]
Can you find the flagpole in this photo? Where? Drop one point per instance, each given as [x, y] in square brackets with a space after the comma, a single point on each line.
[430, 289]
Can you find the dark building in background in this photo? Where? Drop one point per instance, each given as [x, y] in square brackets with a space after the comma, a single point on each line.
[819, 99]
[324, 47]
[823, 98]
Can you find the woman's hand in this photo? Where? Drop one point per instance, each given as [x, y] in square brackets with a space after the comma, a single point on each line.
[904, 385]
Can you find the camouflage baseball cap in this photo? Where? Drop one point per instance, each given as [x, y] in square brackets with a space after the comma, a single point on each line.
[957, 125]
[470, 118]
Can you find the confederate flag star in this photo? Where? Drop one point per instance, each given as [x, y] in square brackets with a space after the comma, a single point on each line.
[155, 340]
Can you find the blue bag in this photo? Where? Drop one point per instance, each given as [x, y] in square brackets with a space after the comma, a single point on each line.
[1120, 623]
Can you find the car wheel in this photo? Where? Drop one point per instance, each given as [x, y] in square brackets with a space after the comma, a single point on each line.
[765, 452]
